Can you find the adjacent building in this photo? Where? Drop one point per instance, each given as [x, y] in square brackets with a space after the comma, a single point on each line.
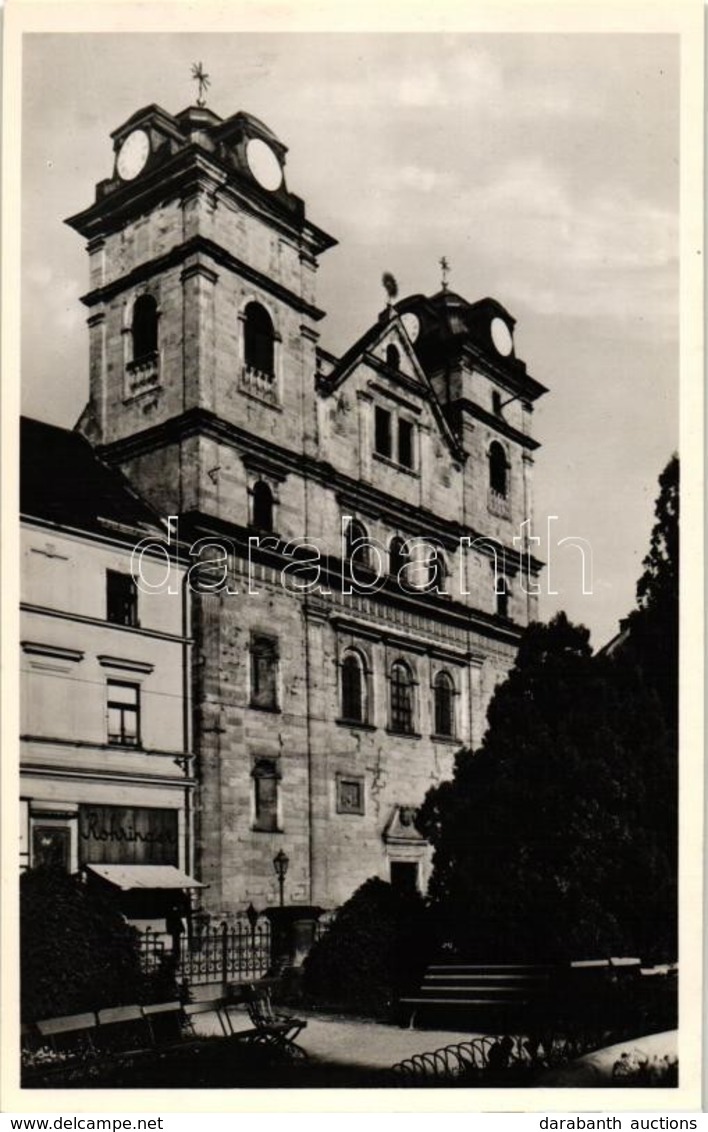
[105, 757]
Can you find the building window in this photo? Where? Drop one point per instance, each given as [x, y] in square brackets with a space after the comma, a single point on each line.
[398, 558]
[401, 699]
[502, 598]
[144, 327]
[393, 357]
[350, 794]
[444, 693]
[383, 431]
[262, 506]
[51, 847]
[266, 795]
[259, 341]
[437, 571]
[404, 875]
[496, 402]
[121, 599]
[498, 479]
[357, 546]
[264, 672]
[123, 701]
[353, 689]
[405, 443]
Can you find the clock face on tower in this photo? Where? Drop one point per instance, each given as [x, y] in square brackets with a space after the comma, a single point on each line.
[412, 325]
[133, 155]
[264, 165]
[501, 337]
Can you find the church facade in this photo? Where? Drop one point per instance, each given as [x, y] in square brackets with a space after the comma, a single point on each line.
[364, 571]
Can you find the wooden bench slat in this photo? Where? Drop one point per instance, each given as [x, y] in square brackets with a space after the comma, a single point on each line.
[114, 1015]
[67, 1024]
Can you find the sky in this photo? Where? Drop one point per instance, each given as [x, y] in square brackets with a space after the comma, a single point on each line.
[544, 167]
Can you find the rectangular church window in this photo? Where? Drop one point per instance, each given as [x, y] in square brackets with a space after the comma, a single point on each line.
[266, 795]
[264, 672]
[383, 432]
[405, 443]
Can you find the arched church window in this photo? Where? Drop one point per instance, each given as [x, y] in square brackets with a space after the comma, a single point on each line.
[353, 689]
[144, 327]
[398, 557]
[443, 693]
[357, 546]
[437, 570]
[503, 598]
[401, 698]
[262, 506]
[259, 340]
[498, 469]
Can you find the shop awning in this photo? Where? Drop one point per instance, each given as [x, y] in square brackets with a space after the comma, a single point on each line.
[128, 877]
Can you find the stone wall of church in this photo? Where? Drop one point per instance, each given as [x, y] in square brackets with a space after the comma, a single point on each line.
[332, 849]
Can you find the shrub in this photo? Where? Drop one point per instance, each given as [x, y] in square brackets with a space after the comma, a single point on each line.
[375, 947]
[77, 951]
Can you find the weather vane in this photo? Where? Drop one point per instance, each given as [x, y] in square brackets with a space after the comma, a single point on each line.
[445, 267]
[202, 79]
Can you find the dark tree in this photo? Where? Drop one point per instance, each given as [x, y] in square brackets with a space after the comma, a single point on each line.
[544, 840]
[653, 627]
[376, 946]
[76, 951]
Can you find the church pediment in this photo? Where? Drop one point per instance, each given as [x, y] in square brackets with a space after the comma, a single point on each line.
[383, 361]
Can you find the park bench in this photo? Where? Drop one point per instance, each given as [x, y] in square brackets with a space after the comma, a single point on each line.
[115, 1032]
[70, 1035]
[268, 1026]
[480, 989]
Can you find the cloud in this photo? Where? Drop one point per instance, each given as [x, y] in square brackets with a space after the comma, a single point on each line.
[419, 179]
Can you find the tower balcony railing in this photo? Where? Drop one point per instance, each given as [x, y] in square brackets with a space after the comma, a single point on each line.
[143, 373]
[498, 504]
[259, 383]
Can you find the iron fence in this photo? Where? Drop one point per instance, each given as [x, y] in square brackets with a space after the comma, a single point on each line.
[323, 925]
[233, 952]
[152, 952]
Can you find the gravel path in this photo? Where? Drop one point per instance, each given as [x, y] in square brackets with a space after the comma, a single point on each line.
[350, 1041]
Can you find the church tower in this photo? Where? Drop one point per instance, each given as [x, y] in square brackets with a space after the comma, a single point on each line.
[202, 300]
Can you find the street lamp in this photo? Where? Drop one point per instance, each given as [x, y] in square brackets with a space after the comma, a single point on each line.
[280, 864]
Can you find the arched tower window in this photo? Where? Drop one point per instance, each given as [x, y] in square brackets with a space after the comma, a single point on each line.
[498, 469]
[443, 693]
[144, 327]
[401, 698]
[259, 340]
[262, 506]
[393, 357]
[353, 689]
[398, 557]
[503, 598]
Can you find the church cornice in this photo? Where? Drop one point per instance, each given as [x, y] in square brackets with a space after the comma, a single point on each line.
[200, 245]
[362, 498]
[384, 605]
[189, 171]
[498, 424]
[517, 380]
